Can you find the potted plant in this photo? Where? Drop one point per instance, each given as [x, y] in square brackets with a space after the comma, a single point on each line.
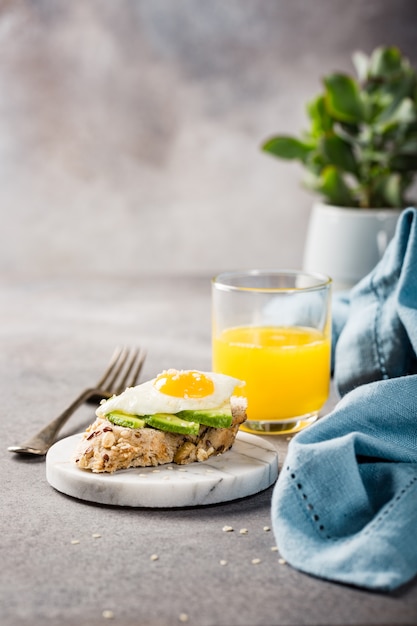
[360, 157]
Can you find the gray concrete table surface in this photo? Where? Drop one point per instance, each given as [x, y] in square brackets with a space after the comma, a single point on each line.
[56, 338]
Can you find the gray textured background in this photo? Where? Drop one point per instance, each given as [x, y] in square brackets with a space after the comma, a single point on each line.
[130, 130]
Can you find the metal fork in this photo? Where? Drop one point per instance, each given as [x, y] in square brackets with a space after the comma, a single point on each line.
[123, 371]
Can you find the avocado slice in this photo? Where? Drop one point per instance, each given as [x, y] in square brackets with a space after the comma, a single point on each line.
[123, 419]
[216, 418]
[185, 422]
[172, 423]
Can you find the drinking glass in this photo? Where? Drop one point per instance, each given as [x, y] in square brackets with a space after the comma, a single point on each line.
[272, 329]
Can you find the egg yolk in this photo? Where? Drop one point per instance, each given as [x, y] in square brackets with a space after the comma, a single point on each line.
[184, 384]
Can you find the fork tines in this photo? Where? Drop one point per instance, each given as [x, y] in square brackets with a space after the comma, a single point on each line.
[123, 370]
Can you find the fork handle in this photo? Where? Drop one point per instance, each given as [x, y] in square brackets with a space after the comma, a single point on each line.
[40, 443]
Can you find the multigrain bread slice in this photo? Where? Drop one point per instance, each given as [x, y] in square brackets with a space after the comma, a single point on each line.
[106, 447]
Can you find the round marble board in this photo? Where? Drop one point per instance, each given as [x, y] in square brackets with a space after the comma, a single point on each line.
[248, 468]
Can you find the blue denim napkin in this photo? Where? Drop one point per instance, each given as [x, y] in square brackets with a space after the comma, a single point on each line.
[345, 504]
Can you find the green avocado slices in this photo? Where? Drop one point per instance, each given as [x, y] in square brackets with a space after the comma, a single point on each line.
[172, 423]
[216, 418]
[185, 422]
[123, 419]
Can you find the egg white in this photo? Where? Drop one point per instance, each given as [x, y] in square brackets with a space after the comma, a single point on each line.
[145, 399]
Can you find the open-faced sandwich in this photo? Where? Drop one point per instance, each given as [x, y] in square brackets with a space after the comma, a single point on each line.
[181, 416]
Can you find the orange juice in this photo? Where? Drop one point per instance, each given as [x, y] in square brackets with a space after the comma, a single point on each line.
[286, 369]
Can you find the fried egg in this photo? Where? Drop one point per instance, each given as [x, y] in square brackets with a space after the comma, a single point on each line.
[173, 391]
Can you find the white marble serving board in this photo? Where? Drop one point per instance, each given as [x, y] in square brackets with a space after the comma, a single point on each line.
[248, 468]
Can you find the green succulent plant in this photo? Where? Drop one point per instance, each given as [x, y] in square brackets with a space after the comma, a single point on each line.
[361, 147]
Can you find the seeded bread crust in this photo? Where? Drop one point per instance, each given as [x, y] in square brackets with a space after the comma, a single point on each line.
[106, 447]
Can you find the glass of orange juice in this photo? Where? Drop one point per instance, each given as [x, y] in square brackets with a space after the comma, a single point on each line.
[272, 329]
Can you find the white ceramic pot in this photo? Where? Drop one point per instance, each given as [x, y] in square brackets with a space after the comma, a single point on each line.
[345, 243]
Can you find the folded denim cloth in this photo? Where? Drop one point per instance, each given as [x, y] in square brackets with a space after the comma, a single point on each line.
[375, 325]
[345, 504]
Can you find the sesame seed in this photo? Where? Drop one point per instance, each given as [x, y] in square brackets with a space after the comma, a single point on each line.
[154, 557]
[223, 562]
[243, 531]
[227, 529]
[75, 541]
[255, 561]
[96, 535]
[282, 561]
[274, 549]
[183, 617]
[108, 614]
[267, 529]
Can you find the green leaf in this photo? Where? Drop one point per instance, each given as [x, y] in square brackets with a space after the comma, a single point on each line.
[385, 62]
[388, 97]
[339, 153]
[373, 156]
[332, 185]
[361, 64]
[315, 162]
[404, 113]
[388, 192]
[342, 97]
[286, 147]
[321, 121]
